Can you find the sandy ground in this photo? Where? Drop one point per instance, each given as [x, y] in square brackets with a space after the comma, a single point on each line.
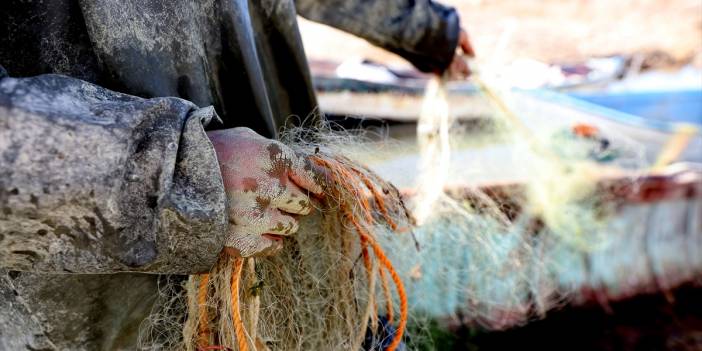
[549, 30]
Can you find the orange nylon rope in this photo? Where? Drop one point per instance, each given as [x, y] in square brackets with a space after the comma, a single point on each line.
[378, 199]
[343, 177]
[204, 319]
[388, 296]
[380, 254]
[239, 328]
[397, 339]
[381, 206]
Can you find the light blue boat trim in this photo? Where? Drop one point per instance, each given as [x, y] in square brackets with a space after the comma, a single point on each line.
[585, 106]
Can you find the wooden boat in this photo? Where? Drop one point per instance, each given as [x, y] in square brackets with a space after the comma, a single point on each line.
[660, 210]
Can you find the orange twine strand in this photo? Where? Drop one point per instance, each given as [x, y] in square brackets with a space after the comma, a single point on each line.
[239, 328]
[378, 199]
[365, 205]
[397, 339]
[204, 319]
[388, 296]
[343, 177]
[380, 254]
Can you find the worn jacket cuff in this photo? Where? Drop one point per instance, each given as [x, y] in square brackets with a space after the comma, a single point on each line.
[435, 51]
[192, 216]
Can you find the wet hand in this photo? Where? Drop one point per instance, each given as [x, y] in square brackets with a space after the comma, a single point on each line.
[267, 186]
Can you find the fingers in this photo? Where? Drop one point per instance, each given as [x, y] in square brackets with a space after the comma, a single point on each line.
[244, 242]
[255, 239]
[306, 175]
[465, 44]
[286, 164]
[293, 200]
[267, 185]
[282, 224]
[272, 220]
[460, 68]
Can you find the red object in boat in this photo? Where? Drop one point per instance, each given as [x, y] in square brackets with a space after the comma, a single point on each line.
[585, 130]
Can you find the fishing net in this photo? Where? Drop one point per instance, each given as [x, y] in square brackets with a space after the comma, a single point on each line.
[493, 252]
[497, 253]
[324, 291]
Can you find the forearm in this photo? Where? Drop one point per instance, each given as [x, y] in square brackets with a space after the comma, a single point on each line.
[422, 31]
[95, 181]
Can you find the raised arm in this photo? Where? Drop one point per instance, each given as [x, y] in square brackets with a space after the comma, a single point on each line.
[422, 31]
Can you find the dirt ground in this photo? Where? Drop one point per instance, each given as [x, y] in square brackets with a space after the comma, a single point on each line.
[550, 30]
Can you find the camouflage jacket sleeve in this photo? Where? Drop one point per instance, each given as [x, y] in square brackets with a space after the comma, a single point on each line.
[422, 31]
[96, 181]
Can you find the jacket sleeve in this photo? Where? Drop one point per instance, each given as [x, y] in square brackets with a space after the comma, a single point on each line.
[93, 181]
[422, 31]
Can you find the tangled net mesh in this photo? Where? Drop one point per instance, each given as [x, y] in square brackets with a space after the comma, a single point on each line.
[355, 277]
[495, 257]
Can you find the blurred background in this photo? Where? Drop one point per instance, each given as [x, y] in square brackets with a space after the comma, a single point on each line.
[664, 34]
[619, 82]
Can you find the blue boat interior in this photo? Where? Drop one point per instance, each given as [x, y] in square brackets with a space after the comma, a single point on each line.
[666, 106]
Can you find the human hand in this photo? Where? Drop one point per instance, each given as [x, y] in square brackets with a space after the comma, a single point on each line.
[267, 187]
[458, 69]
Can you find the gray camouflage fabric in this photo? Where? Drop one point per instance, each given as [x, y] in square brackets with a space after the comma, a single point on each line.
[93, 181]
